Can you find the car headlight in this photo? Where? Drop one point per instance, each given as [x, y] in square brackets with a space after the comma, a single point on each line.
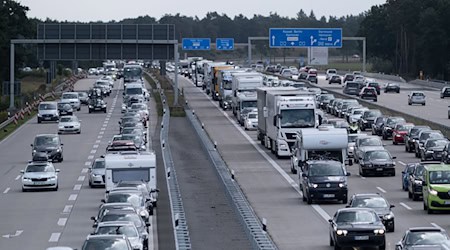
[351, 148]
[413, 140]
[341, 232]
[342, 184]
[433, 192]
[58, 150]
[388, 216]
[420, 144]
[143, 213]
[39, 115]
[430, 151]
[26, 178]
[90, 106]
[313, 185]
[379, 231]
[34, 151]
[60, 126]
[418, 182]
[137, 246]
[52, 178]
[103, 106]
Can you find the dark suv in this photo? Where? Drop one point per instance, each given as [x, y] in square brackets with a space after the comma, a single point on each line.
[323, 180]
[368, 118]
[377, 126]
[412, 136]
[49, 144]
[415, 182]
[423, 136]
[389, 126]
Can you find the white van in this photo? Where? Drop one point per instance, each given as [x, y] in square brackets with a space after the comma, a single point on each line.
[47, 111]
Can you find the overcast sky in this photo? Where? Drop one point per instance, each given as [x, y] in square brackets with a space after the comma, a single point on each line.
[107, 10]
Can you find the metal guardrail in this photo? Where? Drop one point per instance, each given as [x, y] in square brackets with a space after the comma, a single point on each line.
[181, 231]
[248, 218]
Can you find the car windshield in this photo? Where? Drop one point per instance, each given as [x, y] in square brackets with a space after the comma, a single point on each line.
[370, 142]
[436, 143]
[410, 169]
[404, 127]
[99, 164]
[392, 121]
[47, 106]
[134, 217]
[131, 131]
[416, 130]
[39, 168]
[138, 106]
[418, 95]
[355, 217]
[134, 91]
[62, 105]
[67, 119]
[82, 94]
[297, 118]
[432, 135]
[419, 170]
[370, 202]
[372, 113]
[69, 96]
[425, 238]
[440, 177]
[358, 112]
[110, 244]
[46, 141]
[352, 137]
[325, 170]
[377, 155]
[134, 199]
[128, 230]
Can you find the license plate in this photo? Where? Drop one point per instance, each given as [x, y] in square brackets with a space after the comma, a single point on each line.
[47, 118]
[365, 237]
[379, 169]
[39, 183]
[328, 196]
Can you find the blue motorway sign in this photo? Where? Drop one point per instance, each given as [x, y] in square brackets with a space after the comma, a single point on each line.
[225, 43]
[196, 44]
[299, 37]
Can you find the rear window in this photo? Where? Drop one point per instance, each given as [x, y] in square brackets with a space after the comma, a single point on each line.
[352, 85]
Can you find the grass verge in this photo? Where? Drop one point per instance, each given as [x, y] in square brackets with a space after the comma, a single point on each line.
[12, 127]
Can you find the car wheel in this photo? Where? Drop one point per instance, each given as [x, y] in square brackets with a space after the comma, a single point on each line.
[430, 211]
[38, 120]
[90, 184]
[79, 132]
[336, 247]
[425, 206]
[345, 200]
[394, 142]
[56, 188]
[382, 247]
[303, 196]
[384, 137]
[90, 111]
[423, 104]
[409, 103]
[331, 241]
[422, 157]
[409, 194]
[309, 200]
[392, 227]
[104, 111]
[78, 109]
[415, 197]
[375, 100]
[393, 174]
[60, 159]
[24, 190]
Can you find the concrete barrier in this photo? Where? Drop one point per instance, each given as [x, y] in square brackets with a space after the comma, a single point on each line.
[431, 84]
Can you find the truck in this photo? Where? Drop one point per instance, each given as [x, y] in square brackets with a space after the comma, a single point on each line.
[224, 79]
[282, 112]
[322, 143]
[132, 73]
[131, 166]
[214, 80]
[243, 82]
[208, 74]
[245, 100]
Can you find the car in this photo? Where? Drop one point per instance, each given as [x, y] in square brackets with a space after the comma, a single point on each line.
[377, 162]
[356, 115]
[141, 108]
[287, 73]
[303, 76]
[409, 170]
[69, 124]
[412, 136]
[367, 118]
[348, 78]
[39, 175]
[73, 98]
[415, 182]
[423, 238]
[47, 111]
[324, 99]
[351, 143]
[130, 122]
[423, 136]
[84, 97]
[400, 131]
[251, 121]
[368, 93]
[377, 126]
[126, 228]
[329, 107]
[107, 242]
[244, 114]
[374, 85]
[136, 131]
[111, 208]
[334, 79]
[357, 227]
[433, 149]
[96, 173]
[143, 187]
[348, 111]
[226, 102]
[330, 73]
[436, 188]
[121, 145]
[389, 126]
[391, 87]
[49, 144]
[416, 97]
[65, 108]
[312, 71]
[134, 196]
[379, 204]
[446, 154]
[351, 88]
[323, 180]
[338, 123]
[105, 85]
[97, 104]
[124, 215]
[445, 92]
[312, 78]
[137, 139]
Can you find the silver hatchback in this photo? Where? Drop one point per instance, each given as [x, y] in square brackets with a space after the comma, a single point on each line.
[97, 173]
[416, 97]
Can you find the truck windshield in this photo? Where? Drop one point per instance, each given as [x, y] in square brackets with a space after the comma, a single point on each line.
[248, 104]
[226, 84]
[297, 118]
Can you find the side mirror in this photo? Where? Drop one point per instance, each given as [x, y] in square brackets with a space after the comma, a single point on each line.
[394, 157]
[62, 144]
[93, 218]
[424, 183]
[348, 174]
[123, 93]
[57, 170]
[350, 162]
[304, 175]
[330, 220]
[120, 122]
[31, 145]
[22, 171]
[147, 224]
[95, 225]
[103, 200]
[403, 172]
[392, 206]
[347, 206]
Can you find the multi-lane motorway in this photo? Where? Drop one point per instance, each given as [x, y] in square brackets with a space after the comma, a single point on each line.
[273, 191]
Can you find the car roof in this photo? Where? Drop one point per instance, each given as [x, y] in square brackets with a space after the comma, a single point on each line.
[437, 167]
[117, 204]
[115, 223]
[46, 135]
[368, 195]
[349, 209]
[426, 229]
[106, 236]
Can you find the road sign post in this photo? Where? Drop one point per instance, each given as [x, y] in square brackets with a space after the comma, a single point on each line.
[302, 37]
[196, 44]
[224, 43]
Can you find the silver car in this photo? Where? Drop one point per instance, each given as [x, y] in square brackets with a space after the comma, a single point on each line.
[69, 124]
[126, 228]
[73, 98]
[141, 107]
[39, 175]
[97, 173]
[416, 97]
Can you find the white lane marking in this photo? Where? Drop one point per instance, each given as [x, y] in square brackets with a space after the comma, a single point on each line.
[93, 151]
[105, 125]
[382, 190]
[101, 133]
[405, 206]
[77, 187]
[62, 222]
[436, 225]
[6, 190]
[95, 146]
[54, 237]
[73, 197]
[67, 209]
[103, 129]
[402, 163]
[18, 177]
[90, 157]
[107, 119]
[362, 177]
[99, 137]
[88, 163]
[81, 178]
[84, 170]
[98, 141]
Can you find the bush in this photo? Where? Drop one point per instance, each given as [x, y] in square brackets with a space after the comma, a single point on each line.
[382, 65]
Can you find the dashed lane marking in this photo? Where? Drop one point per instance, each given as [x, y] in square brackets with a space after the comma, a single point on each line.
[88, 163]
[405, 206]
[67, 209]
[90, 157]
[18, 177]
[77, 187]
[95, 146]
[62, 222]
[84, 170]
[6, 190]
[54, 237]
[402, 163]
[382, 190]
[81, 178]
[93, 151]
[73, 197]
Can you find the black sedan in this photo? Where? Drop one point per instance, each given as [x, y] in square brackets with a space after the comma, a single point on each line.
[389, 126]
[357, 227]
[412, 136]
[368, 93]
[377, 125]
[433, 149]
[377, 162]
[392, 87]
[97, 105]
[423, 238]
[415, 183]
[379, 204]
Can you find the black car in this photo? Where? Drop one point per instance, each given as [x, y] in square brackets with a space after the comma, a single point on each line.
[49, 144]
[323, 180]
[368, 118]
[423, 136]
[412, 136]
[379, 204]
[335, 79]
[421, 237]
[324, 99]
[368, 93]
[433, 149]
[415, 183]
[389, 126]
[106, 242]
[357, 227]
[374, 85]
[377, 126]
[97, 105]
[329, 107]
[377, 162]
[392, 87]
[348, 78]
[65, 108]
[446, 154]
[445, 92]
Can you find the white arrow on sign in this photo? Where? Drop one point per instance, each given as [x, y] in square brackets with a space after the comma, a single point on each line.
[18, 233]
[273, 40]
[336, 42]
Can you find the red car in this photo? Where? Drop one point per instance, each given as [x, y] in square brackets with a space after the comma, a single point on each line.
[400, 131]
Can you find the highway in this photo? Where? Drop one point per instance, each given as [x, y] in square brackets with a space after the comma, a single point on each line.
[273, 191]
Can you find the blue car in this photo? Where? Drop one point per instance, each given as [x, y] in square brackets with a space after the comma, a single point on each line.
[409, 169]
